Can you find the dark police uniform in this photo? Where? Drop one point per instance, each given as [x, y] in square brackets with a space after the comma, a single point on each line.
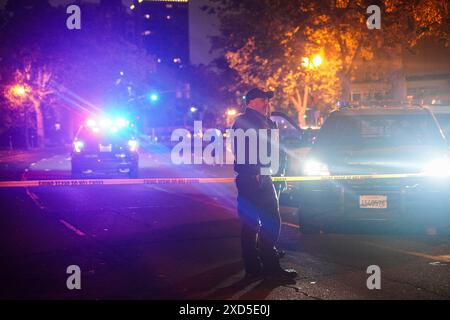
[258, 207]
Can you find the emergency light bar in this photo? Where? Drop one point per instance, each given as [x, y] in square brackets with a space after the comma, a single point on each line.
[111, 124]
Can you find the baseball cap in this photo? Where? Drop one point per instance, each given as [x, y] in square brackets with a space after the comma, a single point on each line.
[258, 93]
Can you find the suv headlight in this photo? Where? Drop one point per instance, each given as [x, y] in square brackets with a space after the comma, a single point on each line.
[438, 168]
[78, 145]
[133, 145]
[315, 168]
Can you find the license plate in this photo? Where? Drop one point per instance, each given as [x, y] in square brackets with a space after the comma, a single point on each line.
[105, 148]
[373, 202]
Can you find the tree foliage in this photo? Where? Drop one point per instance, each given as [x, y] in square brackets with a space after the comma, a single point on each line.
[83, 69]
[265, 41]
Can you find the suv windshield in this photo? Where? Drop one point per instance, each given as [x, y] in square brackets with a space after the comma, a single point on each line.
[380, 131]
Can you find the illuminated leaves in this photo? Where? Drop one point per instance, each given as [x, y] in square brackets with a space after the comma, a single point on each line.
[270, 39]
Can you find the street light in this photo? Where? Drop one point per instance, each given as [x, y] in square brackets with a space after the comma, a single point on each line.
[317, 61]
[230, 116]
[305, 62]
[19, 90]
[231, 112]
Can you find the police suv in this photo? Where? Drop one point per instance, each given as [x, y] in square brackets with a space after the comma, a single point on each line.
[105, 146]
[398, 167]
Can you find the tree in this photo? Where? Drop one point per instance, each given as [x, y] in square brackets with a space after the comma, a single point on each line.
[86, 70]
[266, 40]
[290, 79]
[28, 91]
[27, 74]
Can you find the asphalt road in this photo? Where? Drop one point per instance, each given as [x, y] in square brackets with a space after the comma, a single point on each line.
[182, 241]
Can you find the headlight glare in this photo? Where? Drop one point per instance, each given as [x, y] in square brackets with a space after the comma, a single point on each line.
[133, 145]
[78, 145]
[438, 168]
[315, 168]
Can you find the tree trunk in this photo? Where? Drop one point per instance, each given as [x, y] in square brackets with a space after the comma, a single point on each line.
[26, 130]
[300, 107]
[398, 86]
[345, 96]
[397, 76]
[305, 104]
[39, 123]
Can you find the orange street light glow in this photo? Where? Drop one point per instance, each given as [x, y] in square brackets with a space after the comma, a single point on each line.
[231, 112]
[18, 90]
[305, 62]
[317, 61]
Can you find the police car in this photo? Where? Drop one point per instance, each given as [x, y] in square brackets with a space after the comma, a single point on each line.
[105, 146]
[405, 143]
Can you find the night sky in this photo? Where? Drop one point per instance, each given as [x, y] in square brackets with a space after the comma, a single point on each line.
[201, 27]
[429, 57]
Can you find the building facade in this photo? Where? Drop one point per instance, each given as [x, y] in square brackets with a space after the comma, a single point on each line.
[162, 27]
[422, 75]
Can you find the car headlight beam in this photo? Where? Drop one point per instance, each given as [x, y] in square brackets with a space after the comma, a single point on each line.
[438, 168]
[315, 168]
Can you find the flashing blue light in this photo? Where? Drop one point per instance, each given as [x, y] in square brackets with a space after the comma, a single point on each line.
[105, 123]
[121, 122]
[108, 124]
[154, 97]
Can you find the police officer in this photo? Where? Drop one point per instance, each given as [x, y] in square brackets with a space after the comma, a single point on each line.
[258, 207]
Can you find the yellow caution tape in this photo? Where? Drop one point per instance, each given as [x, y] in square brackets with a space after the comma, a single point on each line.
[104, 182]
[349, 177]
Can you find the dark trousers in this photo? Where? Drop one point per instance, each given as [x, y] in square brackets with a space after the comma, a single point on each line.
[259, 213]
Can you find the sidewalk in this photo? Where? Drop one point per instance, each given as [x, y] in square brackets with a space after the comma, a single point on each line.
[14, 162]
[10, 155]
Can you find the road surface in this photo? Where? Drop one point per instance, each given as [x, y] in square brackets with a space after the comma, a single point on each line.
[182, 242]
